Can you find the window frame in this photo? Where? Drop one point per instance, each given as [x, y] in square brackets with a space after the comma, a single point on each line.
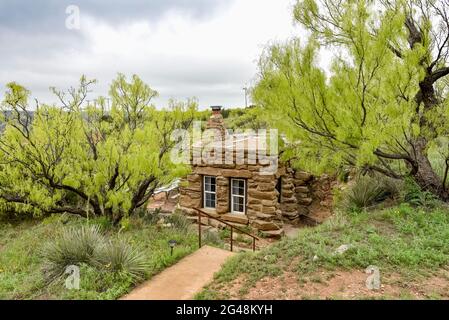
[244, 196]
[209, 192]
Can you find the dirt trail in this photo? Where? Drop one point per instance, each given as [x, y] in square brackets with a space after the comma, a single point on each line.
[184, 279]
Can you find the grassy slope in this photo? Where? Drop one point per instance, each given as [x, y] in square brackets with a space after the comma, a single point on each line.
[20, 263]
[405, 240]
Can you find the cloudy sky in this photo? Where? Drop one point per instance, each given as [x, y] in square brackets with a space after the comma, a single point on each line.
[206, 49]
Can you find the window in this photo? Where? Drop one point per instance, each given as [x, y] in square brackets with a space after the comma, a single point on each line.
[209, 192]
[238, 196]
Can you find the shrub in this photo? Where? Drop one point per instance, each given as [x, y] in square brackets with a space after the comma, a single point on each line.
[104, 223]
[179, 221]
[212, 238]
[367, 191]
[73, 247]
[152, 217]
[121, 257]
[414, 195]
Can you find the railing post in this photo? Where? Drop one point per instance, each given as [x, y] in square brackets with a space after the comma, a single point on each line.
[199, 229]
[232, 236]
[201, 213]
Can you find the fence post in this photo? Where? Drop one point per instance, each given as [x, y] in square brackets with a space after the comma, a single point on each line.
[232, 236]
[199, 229]
[254, 244]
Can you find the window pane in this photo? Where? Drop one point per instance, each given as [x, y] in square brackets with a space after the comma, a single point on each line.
[238, 187]
[210, 200]
[209, 184]
[210, 180]
[238, 204]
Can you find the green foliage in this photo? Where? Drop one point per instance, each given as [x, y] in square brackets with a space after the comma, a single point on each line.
[22, 264]
[212, 238]
[72, 247]
[414, 195]
[179, 221]
[249, 118]
[401, 240]
[121, 257]
[364, 110]
[366, 191]
[150, 217]
[88, 160]
[87, 245]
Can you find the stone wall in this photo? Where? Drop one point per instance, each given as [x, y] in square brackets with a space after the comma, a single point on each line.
[296, 195]
[265, 211]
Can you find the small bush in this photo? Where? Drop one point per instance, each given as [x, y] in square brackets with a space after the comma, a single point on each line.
[414, 195]
[212, 238]
[179, 221]
[104, 223]
[121, 257]
[147, 216]
[73, 247]
[367, 191]
[152, 217]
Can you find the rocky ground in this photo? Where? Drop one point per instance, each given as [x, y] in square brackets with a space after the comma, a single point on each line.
[341, 285]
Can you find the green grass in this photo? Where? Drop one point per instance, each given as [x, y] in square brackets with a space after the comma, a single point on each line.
[21, 264]
[412, 242]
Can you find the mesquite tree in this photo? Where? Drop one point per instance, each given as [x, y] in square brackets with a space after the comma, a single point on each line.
[382, 105]
[87, 160]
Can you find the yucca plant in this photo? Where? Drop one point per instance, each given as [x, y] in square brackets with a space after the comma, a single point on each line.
[72, 247]
[367, 191]
[120, 257]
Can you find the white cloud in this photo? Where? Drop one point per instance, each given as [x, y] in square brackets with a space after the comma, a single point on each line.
[177, 54]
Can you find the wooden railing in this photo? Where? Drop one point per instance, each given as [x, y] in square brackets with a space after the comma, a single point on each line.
[201, 212]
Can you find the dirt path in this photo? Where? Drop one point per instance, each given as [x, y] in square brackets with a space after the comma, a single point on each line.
[184, 279]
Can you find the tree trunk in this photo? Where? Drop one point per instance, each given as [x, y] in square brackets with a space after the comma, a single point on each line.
[423, 173]
[425, 176]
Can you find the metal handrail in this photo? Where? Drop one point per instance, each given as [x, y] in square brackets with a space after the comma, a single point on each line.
[201, 212]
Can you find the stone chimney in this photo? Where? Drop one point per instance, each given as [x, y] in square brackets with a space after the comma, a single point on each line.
[216, 120]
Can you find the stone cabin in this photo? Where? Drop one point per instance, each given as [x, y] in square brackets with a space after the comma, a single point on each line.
[253, 193]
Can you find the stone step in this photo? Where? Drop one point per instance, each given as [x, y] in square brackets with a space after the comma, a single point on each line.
[264, 225]
[237, 225]
[235, 218]
[216, 224]
[275, 234]
[194, 219]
